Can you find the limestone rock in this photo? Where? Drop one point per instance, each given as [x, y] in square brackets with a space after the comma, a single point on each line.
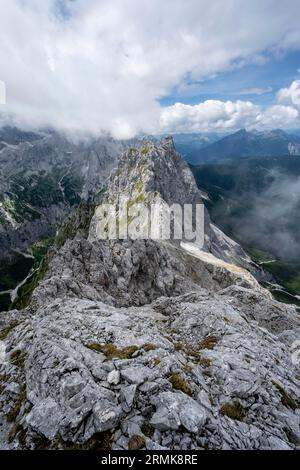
[113, 377]
[177, 409]
[106, 416]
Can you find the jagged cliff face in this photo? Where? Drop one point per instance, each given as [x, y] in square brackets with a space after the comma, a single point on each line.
[42, 177]
[158, 174]
[148, 343]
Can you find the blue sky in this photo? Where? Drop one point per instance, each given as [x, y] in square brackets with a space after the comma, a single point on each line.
[258, 83]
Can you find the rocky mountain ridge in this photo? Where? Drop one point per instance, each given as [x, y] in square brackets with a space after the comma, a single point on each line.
[247, 143]
[130, 344]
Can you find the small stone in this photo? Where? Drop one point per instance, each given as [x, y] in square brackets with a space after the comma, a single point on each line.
[13, 387]
[167, 441]
[106, 415]
[148, 387]
[44, 418]
[151, 445]
[122, 442]
[116, 447]
[136, 375]
[113, 377]
[156, 436]
[128, 394]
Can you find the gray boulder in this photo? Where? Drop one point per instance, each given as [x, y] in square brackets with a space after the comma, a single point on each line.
[177, 409]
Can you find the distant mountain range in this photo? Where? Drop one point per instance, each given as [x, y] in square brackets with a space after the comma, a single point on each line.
[244, 144]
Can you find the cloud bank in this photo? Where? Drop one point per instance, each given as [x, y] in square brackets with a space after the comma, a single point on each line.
[221, 115]
[92, 66]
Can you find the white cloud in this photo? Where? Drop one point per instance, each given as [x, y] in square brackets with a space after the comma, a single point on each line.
[209, 115]
[290, 95]
[221, 115]
[106, 65]
[255, 91]
[278, 116]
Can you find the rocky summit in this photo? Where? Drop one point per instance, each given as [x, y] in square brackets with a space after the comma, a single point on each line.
[149, 344]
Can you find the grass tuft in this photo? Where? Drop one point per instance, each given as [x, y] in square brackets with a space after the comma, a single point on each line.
[145, 151]
[180, 384]
[156, 361]
[5, 331]
[18, 358]
[234, 411]
[136, 442]
[147, 429]
[208, 343]
[15, 410]
[197, 357]
[111, 351]
[286, 399]
[149, 347]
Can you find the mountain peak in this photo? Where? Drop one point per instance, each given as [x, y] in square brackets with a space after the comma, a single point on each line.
[241, 132]
[154, 167]
[249, 143]
[154, 173]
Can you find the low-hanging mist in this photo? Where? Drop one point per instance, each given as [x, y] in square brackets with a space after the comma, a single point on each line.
[271, 219]
[257, 200]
